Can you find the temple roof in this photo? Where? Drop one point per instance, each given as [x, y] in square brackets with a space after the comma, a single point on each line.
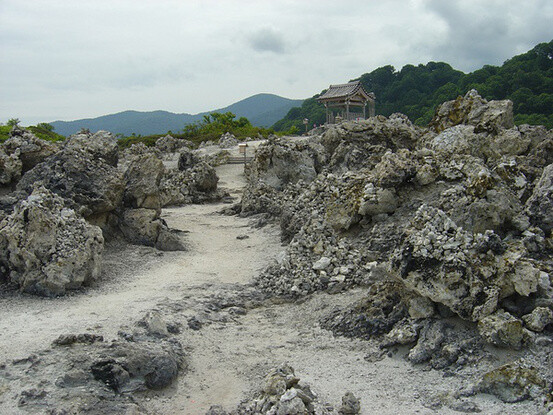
[349, 90]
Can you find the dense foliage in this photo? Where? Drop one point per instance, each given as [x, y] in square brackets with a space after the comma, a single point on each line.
[210, 128]
[416, 91]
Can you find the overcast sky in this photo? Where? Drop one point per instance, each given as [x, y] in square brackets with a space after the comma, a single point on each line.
[62, 59]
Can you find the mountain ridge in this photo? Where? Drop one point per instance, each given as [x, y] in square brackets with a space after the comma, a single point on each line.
[262, 110]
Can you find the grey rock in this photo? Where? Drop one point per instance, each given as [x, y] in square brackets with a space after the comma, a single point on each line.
[474, 110]
[540, 204]
[322, 264]
[170, 144]
[513, 382]
[350, 405]
[10, 167]
[47, 248]
[227, 140]
[28, 148]
[538, 319]
[83, 174]
[154, 323]
[502, 329]
[143, 177]
[187, 159]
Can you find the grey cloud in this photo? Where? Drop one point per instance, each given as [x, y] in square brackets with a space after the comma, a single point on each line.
[267, 40]
[480, 34]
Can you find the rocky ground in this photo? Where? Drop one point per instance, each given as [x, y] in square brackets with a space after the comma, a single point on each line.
[372, 267]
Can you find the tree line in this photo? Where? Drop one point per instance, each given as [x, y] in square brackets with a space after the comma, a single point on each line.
[416, 91]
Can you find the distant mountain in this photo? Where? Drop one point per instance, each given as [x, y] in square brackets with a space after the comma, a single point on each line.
[263, 110]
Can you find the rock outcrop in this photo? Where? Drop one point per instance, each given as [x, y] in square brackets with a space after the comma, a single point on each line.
[30, 149]
[84, 174]
[227, 140]
[46, 248]
[170, 144]
[454, 221]
[10, 167]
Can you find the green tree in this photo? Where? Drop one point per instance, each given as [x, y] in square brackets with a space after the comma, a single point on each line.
[45, 126]
[416, 91]
[12, 122]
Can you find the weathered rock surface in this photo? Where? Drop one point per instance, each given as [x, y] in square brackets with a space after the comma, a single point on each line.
[83, 173]
[143, 177]
[145, 227]
[513, 382]
[502, 329]
[10, 167]
[468, 273]
[170, 144]
[451, 222]
[474, 110]
[187, 159]
[227, 140]
[30, 149]
[82, 373]
[47, 249]
[540, 204]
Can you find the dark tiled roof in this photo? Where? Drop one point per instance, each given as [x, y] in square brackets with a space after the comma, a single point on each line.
[343, 91]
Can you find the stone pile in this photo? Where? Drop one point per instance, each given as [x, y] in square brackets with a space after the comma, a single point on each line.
[283, 393]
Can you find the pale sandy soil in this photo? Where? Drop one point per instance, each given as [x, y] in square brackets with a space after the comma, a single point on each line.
[228, 356]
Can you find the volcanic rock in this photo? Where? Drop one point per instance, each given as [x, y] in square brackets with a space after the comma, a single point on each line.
[47, 248]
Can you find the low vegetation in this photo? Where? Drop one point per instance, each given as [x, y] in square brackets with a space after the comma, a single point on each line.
[209, 129]
[42, 130]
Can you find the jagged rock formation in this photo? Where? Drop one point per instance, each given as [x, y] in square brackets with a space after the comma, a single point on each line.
[29, 149]
[227, 140]
[170, 144]
[46, 248]
[84, 173]
[85, 184]
[450, 221]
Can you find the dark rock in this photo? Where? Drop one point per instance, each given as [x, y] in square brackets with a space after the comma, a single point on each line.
[69, 339]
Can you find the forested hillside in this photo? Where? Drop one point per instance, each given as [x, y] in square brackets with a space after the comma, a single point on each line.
[525, 79]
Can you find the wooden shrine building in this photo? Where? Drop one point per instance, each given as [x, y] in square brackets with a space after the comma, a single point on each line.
[345, 102]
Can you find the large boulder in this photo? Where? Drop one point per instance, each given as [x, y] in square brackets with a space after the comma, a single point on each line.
[83, 173]
[143, 177]
[102, 144]
[205, 178]
[46, 248]
[170, 144]
[474, 110]
[187, 159]
[145, 227]
[281, 161]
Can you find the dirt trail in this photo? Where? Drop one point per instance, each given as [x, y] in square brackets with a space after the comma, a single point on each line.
[138, 278]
